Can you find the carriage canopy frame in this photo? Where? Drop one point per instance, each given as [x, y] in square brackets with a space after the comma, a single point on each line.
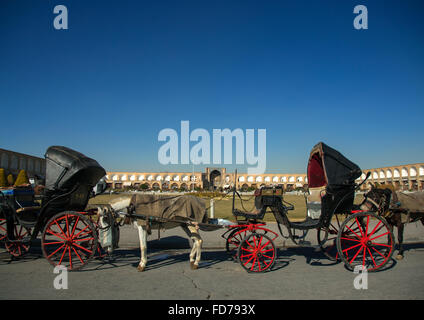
[328, 167]
[66, 167]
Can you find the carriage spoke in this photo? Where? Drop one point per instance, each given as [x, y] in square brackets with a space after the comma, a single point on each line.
[354, 232]
[381, 244]
[368, 221]
[254, 261]
[21, 234]
[380, 236]
[249, 259]
[60, 228]
[334, 229]
[267, 264]
[331, 239]
[378, 252]
[82, 253]
[87, 232]
[55, 234]
[255, 245]
[63, 254]
[354, 257]
[374, 230]
[350, 239]
[54, 242]
[259, 264]
[70, 257]
[74, 227]
[235, 239]
[260, 248]
[67, 226]
[77, 245]
[247, 241]
[351, 226]
[364, 256]
[85, 239]
[259, 243]
[350, 248]
[372, 258]
[360, 229]
[79, 257]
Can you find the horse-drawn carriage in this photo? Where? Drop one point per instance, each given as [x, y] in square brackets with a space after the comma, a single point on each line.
[70, 237]
[363, 238]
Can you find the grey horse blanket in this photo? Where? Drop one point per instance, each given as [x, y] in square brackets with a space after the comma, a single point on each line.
[178, 207]
[411, 205]
[411, 202]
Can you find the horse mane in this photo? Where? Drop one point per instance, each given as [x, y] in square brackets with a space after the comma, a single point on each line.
[382, 195]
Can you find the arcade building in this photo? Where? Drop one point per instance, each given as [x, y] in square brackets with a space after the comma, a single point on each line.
[402, 177]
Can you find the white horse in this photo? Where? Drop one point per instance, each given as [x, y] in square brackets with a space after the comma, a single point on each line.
[144, 229]
[190, 230]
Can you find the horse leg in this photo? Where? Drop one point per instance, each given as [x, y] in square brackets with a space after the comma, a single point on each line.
[142, 235]
[400, 227]
[196, 250]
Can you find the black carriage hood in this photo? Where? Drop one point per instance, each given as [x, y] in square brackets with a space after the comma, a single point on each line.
[66, 167]
[327, 166]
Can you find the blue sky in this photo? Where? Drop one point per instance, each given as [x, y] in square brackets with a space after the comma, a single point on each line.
[124, 70]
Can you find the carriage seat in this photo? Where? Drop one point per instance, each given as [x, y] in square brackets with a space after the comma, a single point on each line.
[24, 200]
[26, 209]
[313, 202]
[255, 214]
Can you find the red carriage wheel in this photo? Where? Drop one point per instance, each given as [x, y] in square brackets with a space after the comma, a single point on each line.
[365, 239]
[256, 252]
[3, 228]
[69, 239]
[235, 237]
[21, 243]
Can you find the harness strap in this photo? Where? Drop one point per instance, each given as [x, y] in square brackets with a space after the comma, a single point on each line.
[373, 202]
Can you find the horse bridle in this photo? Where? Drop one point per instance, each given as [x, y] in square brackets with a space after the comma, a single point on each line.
[379, 206]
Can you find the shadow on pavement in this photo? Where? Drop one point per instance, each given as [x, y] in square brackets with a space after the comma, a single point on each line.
[167, 251]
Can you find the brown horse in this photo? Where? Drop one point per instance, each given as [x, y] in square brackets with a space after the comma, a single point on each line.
[389, 204]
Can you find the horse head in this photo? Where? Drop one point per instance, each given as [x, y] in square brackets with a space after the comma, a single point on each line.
[377, 199]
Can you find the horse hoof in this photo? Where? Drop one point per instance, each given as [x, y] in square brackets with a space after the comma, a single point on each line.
[140, 268]
[399, 257]
[193, 266]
